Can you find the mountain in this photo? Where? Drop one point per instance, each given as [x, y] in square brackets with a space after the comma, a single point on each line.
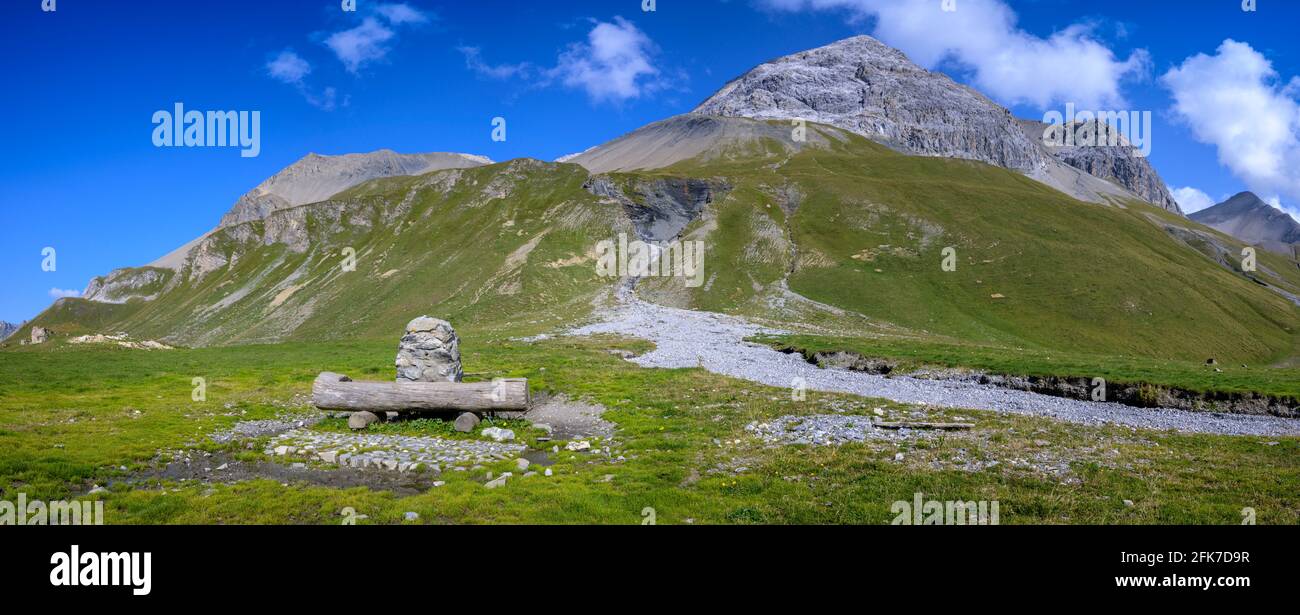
[316, 178]
[7, 329]
[864, 86]
[482, 243]
[1248, 218]
[822, 225]
[312, 179]
[793, 230]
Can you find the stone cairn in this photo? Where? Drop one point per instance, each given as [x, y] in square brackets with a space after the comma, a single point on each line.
[429, 352]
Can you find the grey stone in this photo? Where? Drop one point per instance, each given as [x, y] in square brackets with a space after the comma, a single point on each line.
[499, 434]
[466, 422]
[362, 420]
[522, 464]
[411, 516]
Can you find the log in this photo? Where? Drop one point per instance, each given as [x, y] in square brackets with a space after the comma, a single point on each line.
[338, 392]
[935, 426]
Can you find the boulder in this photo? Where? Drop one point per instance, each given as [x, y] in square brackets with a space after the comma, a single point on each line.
[466, 422]
[40, 335]
[362, 420]
[429, 352]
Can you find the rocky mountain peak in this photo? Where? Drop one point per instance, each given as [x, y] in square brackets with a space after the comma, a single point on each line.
[1252, 220]
[869, 88]
[864, 86]
[1101, 150]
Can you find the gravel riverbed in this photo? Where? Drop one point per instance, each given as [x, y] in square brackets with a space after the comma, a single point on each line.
[716, 342]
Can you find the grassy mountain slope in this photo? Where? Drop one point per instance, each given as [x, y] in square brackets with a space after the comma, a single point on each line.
[862, 228]
[493, 243]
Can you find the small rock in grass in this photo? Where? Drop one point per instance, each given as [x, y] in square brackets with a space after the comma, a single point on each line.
[522, 464]
[282, 450]
[544, 427]
[498, 434]
[548, 472]
[898, 457]
[498, 482]
[1129, 503]
[439, 483]
[362, 420]
[466, 422]
[578, 446]
[97, 489]
[411, 516]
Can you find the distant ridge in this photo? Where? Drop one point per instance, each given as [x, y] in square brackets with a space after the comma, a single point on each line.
[1248, 218]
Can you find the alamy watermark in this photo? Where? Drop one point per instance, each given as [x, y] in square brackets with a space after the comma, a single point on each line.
[1081, 128]
[181, 128]
[73, 568]
[61, 512]
[642, 259]
[934, 512]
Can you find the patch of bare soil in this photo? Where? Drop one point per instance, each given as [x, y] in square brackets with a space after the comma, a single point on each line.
[222, 468]
[570, 419]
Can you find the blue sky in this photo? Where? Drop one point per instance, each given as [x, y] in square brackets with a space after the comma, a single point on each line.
[82, 175]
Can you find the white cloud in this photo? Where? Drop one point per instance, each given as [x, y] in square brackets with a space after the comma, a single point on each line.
[401, 13]
[1192, 200]
[326, 100]
[474, 61]
[372, 39]
[288, 67]
[613, 65]
[59, 293]
[1235, 101]
[1006, 62]
[362, 44]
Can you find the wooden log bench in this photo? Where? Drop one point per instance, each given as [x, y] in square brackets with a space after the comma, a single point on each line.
[503, 397]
